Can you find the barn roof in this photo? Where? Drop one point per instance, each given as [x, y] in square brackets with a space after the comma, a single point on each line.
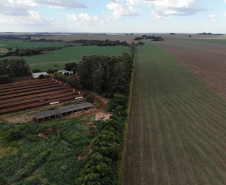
[71, 108]
[40, 73]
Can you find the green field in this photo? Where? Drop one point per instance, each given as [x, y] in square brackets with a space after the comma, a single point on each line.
[71, 54]
[27, 44]
[176, 132]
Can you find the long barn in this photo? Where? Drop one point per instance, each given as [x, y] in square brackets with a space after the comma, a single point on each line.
[62, 112]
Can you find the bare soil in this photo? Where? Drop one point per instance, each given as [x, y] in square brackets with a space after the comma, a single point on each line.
[206, 60]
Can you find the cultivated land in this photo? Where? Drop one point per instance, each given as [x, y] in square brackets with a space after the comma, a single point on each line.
[176, 132]
[72, 54]
[34, 93]
[203, 57]
[26, 44]
[57, 59]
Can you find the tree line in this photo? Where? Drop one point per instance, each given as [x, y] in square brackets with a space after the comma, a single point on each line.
[30, 51]
[102, 74]
[12, 68]
[153, 38]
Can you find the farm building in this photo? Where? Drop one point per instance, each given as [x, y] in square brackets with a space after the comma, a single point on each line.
[36, 75]
[65, 71]
[2, 50]
[62, 112]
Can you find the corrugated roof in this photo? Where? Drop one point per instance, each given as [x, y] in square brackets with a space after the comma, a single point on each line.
[40, 73]
[46, 114]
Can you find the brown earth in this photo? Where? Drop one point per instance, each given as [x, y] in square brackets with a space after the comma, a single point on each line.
[206, 60]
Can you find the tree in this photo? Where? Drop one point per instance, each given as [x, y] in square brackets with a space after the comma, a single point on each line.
[14, 68]
[90, 99]
[71, 67]
[36, 70]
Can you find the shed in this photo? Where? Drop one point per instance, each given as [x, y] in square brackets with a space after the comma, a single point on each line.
[63, 111]
[36, 75]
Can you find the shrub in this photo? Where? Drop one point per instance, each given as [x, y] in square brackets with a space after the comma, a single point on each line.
[14, 135]
[90, 99]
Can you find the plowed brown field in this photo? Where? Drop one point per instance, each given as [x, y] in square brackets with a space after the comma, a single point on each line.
[206, 60]
[14, 97]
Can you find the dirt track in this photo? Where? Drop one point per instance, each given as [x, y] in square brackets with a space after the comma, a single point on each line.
[206, 60]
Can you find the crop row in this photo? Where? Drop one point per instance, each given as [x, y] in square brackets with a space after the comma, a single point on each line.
[16, 99]
[26, 86]
[22, 83]
[33, 92]
[29, 89]
[33, 100]
[38, 104]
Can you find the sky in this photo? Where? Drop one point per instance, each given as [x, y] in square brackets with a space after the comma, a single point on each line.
[113, 16]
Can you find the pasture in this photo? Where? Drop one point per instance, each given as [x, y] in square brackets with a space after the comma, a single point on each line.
[57, 59]
[176, 130]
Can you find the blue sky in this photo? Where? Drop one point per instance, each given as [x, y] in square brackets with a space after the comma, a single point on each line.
[113, 16]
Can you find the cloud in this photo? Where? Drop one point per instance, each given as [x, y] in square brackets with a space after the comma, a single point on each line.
[33, 18]
[161, 9]
[213, 18]
[21, 7]
[172, 7]
[155, 16]
[12, 7]
[63, 4]
[83, 18]
[120, 9]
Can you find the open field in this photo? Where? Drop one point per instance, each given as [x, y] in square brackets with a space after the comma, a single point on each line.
[206, 60]
[71, 54]
[33, 94]
[176, 132]
[26, 44]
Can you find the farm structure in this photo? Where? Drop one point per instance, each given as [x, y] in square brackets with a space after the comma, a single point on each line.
[65, 71]
[36, 75]
[63, 111]
[34, 93]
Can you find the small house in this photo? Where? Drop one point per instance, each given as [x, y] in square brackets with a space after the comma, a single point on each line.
[65, 71]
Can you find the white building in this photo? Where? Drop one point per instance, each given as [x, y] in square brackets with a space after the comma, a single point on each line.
[65, 71]
[36, 75]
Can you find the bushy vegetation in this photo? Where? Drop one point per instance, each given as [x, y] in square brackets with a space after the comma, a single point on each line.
[102, 165]
[37, 159]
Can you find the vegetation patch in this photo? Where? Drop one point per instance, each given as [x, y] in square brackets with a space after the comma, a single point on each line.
[52, 159]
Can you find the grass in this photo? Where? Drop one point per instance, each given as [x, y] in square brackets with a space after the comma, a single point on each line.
[176, 132]
[27, 44]
[71, 54]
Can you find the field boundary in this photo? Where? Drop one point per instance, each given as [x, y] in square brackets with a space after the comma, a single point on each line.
[122, 168]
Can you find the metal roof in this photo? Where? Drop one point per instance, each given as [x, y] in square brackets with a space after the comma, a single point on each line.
[40, 73]
[62, 110]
